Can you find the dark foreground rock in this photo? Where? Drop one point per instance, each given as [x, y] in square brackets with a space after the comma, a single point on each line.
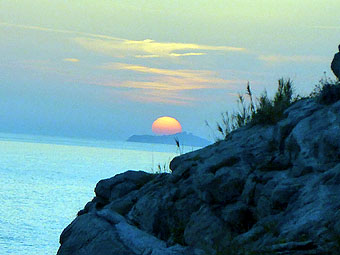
[264, 190]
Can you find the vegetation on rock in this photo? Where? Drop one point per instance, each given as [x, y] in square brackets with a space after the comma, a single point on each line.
[266, 111]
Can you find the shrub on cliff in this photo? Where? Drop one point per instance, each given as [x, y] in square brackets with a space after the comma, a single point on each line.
[265, 112]
[269, 111]
[327, 91]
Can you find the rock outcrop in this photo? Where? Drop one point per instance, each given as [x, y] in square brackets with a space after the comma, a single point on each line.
[265, 190]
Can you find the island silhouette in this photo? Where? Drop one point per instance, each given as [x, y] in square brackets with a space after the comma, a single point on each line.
[184, 138]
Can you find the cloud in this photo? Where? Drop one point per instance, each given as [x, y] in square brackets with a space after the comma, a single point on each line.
[166, 85]
[194, 76]
[119, 47]
[285, 59]
[156, 85]
[187, 54]
[147, 48]
[61, 31]
[173, 55]
[74, 60]
[156, 96]
[147, 56]
[152, 91]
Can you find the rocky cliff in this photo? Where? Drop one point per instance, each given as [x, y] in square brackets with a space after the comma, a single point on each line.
[265, 190]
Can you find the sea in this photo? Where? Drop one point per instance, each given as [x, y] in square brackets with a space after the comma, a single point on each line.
[45, 181]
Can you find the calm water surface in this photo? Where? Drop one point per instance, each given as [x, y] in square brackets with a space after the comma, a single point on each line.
[45, 181]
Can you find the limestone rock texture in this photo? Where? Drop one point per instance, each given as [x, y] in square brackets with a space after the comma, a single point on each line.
[264, 190]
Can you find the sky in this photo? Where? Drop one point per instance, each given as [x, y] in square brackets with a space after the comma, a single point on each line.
[107, 69]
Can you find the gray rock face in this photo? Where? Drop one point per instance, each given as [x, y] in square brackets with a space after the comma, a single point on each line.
[265, 190]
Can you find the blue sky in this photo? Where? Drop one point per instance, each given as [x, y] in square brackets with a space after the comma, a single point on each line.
[107, 69]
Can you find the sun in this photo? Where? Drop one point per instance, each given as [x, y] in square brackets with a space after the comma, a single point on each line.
[166, 126]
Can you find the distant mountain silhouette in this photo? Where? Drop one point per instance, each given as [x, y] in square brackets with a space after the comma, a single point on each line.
[184, 138]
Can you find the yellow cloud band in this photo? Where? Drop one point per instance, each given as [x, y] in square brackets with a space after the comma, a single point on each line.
[74, 60]
[194, 76]
[147, 48]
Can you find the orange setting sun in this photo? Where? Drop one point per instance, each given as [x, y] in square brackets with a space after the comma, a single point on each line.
[166, 126]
